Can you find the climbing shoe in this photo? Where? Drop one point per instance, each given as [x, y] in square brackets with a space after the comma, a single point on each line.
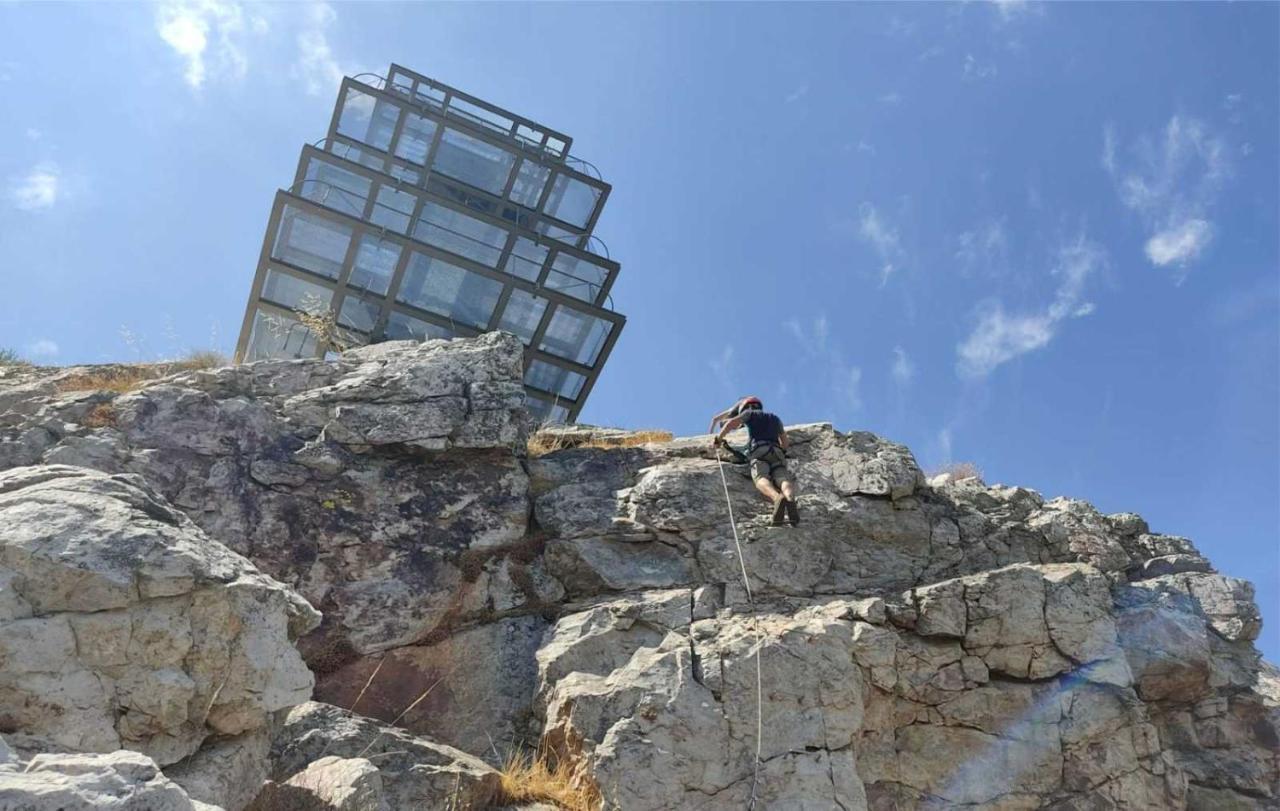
[779, 508]
[793, 512]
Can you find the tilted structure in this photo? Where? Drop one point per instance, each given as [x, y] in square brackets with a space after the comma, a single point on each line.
[429, 213]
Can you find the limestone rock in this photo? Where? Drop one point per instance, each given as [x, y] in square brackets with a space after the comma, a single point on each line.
[122, 780]
[319, 745]
[127, 627]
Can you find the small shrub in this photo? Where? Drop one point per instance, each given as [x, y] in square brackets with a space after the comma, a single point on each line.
[10, 358]
[538, 778]
[124, 379]
[959, 471]
[545, 441]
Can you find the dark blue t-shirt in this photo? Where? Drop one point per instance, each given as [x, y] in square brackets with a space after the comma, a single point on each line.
[764, 428]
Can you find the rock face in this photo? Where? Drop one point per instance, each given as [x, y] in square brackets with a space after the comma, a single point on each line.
[911, 644]
[123, 780]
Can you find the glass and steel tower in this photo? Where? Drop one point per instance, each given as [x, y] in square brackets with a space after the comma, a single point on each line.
[428, 213]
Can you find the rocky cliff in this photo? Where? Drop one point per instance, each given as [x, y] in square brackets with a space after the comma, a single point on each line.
[912, 644]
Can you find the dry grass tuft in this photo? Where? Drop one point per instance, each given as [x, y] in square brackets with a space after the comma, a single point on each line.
[124, 379]
[538, 779]
[959, 471]
[103, 415]
[10, 358]
[544, 441]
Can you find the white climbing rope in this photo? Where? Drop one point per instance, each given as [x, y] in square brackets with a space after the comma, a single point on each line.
[746, 583]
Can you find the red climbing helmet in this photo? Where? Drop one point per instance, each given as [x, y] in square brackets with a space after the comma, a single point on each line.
[750, 402]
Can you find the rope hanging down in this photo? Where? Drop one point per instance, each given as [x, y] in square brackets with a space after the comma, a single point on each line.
[746, 583]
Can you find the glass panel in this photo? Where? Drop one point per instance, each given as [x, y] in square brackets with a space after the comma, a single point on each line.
[575, 335]
[522, 315]
[526, 259]
[415, 139]
[359, 314]
[404, 174]
[401, 327]
[275, 336]
[551, 378]
[375, 263]
[355, 154]
[393, 209]
[480, 115]
[530, 181]
[368, 119]
[402, 83]
[458, 233]
[473, 161]
[428, 94]
[556, 146]
[572, 200]
[336, 188]
[312, 242]
[448, 290]
[295, 294]
[529, 136]
[576, 277]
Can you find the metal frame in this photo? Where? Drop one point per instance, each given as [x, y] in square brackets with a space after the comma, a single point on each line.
[507, 143]
[525, 140]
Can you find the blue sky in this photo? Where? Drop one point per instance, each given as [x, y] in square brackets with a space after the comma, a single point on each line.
[1040, 238]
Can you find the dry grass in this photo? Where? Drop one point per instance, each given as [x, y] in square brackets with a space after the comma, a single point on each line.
[543, 441]
[103, 415]
[959, 471]
[540, 779]
[10, 358]
[124, 379]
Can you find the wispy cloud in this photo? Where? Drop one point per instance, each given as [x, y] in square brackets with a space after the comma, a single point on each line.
[893, 97]
[826, 359]
[721, 366]
[975, 70]
[903, 371]
[316, 65]
[37, 189]
[34, 134]
[875, 231]
[42, 348]
[1000, 336]
[865, 147]
[1172, 182]
[210, 36]
[932, 52]
[797, 94]
[1009, 10]
[984, 249]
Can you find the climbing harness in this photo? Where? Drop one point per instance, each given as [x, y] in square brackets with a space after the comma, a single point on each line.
[755, 627]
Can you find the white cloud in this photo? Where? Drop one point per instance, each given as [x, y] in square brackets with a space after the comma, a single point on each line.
[797, 94]
[999, 336]
[316, 65]
[864, 146]
[850, 385]
[1180, 244]
[876, 232]
[1008, 10]
[1172, 182]
[891, 98]
[42, 348]
[974, 69]
[34, 134]
[209, 35]
[814, 340]
[37, 189]
[984, 249]
[721, 365]
[932, 52]
[903, 370]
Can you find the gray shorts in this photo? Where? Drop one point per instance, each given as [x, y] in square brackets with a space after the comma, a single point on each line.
[770, 464]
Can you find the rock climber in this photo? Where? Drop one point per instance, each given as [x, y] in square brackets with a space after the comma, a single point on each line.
[766, 452]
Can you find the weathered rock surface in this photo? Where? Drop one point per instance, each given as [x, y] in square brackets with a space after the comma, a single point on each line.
[119, 781]
[408, 772]
[935, 644]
